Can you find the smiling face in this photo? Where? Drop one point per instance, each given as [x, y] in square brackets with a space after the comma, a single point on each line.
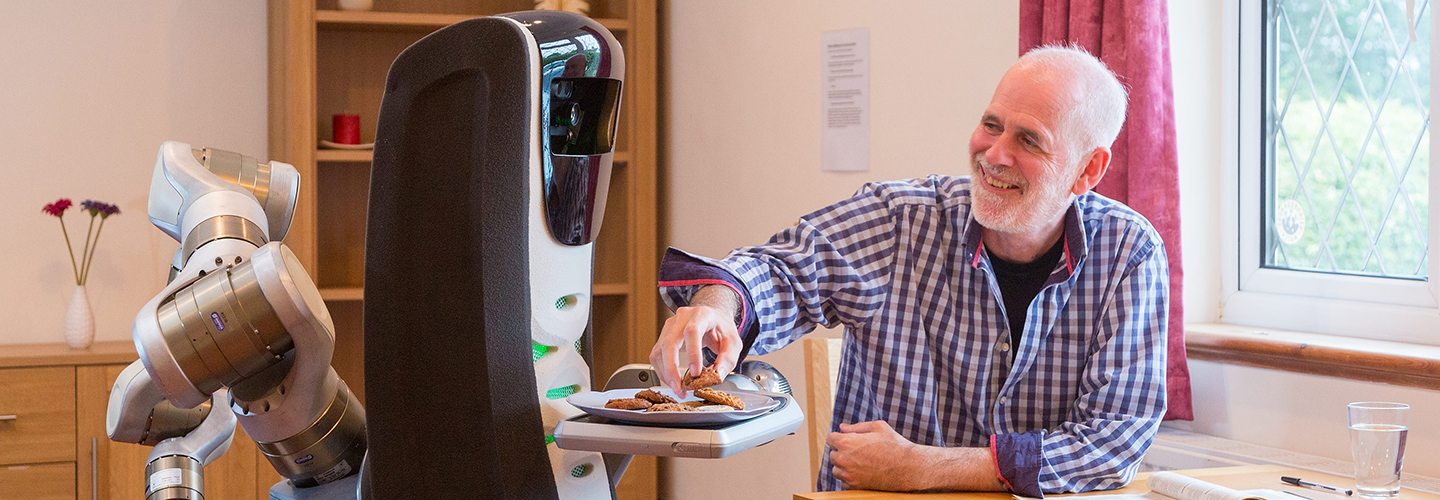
[1024, 165]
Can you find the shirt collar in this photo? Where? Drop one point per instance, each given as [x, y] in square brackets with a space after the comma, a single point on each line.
[1077, 240]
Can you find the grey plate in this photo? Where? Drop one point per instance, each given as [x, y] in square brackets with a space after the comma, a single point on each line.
[594, 403]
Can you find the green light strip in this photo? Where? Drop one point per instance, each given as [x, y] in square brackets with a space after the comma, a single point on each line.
[539, 351]
[562, 392]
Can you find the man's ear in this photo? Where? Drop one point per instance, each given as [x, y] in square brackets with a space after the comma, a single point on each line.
[1091, 170]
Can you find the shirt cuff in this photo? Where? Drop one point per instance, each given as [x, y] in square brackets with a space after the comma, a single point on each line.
[683, 272]
[1018, 460]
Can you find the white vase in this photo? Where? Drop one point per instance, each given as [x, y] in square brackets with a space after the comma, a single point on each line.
[79, 321]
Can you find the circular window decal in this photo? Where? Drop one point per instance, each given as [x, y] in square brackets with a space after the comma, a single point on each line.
[1289, 221]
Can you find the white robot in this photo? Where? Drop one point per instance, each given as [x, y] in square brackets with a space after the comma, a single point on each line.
[240, 333]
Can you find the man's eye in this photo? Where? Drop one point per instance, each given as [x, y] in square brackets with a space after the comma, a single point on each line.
[991, 127]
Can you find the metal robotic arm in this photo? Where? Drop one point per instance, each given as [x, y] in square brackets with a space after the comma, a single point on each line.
[185, 440]
[240, 325]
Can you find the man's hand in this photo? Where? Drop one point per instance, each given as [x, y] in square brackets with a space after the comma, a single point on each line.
[872, 456]
[709, 321]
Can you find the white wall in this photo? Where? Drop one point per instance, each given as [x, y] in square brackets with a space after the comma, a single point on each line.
[88, 91]
[1293, 411]
[743, 153]
[742, 145]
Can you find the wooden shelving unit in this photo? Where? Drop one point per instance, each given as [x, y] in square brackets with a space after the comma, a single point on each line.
[326, 61]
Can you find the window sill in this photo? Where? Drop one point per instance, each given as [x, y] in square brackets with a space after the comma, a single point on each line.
[1398, 363]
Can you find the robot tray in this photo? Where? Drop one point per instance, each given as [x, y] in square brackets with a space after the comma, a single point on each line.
[605, 435]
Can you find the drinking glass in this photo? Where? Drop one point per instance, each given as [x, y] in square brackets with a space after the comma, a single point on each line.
[1377, 441]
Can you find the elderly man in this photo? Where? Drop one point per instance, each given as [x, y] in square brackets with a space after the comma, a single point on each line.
[1003, 331]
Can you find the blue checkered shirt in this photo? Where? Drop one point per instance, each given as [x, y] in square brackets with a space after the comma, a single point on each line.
[901, 265]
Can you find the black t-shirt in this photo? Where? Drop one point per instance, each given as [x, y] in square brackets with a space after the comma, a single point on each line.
[1020, 283]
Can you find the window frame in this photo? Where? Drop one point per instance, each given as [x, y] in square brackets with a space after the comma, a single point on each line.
[1394, 309]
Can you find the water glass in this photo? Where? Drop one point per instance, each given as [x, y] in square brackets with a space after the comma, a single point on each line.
[1377, 441]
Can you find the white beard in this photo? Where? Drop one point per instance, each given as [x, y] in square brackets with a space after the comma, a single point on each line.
[1043, 202]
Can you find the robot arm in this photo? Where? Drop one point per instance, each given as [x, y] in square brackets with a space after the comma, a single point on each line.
[185, 440]
[240, 330]
[184, 175]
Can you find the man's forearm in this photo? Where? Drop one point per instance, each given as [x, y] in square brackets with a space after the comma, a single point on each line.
[720, 297]
[959, 469]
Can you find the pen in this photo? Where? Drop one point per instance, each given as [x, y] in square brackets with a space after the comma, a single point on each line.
[1301, 482]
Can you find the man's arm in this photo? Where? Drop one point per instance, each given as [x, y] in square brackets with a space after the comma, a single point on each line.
[1121, 402]
[830, 268]
[872, 456]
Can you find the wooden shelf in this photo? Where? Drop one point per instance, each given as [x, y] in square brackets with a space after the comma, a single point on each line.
[367, 155]
[604, 289]
[344, 155]
[99, 353]
[343, 20]
[342, 294]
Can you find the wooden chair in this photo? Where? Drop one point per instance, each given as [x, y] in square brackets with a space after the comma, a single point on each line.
[822, 371]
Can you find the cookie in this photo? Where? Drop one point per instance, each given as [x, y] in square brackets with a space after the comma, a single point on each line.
[696, 404]
[720, 397]
[707, 378]
[713, 408]
[654, 397]
[669, 407]
[628, 404]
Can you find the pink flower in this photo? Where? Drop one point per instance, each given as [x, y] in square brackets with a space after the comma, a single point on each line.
[58, 208]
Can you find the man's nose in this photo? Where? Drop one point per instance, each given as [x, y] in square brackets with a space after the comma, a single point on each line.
[999, 153]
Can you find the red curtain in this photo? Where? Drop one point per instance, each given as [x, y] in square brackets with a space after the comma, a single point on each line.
[1132, 37]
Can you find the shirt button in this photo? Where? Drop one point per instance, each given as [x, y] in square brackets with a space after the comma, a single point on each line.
[1004, 346]
[1003, 399]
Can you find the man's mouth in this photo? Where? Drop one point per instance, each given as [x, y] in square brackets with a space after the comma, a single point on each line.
[996, 183]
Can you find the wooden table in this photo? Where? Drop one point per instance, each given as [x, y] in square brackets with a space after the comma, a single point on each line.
[1248, 477]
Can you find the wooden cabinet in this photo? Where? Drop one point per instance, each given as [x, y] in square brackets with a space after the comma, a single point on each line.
[38, 482]
[55, 445]
[324, 61]
[37, 415]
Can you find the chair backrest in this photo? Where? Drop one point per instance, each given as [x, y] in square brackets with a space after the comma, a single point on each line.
[822, 372]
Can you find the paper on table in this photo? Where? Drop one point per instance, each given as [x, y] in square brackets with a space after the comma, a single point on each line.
[1172, 486]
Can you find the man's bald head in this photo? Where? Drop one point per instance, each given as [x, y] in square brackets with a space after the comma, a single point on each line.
[1096, 99]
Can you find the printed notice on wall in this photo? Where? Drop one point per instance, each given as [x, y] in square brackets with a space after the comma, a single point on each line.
[846, 94]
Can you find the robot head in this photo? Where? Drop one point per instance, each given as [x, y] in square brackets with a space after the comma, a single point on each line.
[580, 82]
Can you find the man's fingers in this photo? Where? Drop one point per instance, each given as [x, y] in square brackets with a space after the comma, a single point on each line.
[667, 347]
[862, 427]
[727, 344]
[669, 367]
[694, 345]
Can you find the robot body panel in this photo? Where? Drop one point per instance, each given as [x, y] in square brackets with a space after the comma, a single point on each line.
[470, 284]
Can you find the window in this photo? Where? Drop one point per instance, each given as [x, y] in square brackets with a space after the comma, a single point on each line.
[1334, 162]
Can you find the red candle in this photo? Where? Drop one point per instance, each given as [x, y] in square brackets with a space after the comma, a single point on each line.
[347, 129]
